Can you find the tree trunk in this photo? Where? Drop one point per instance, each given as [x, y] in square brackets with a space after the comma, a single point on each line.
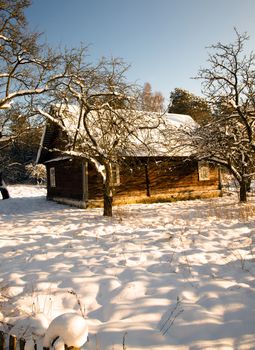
[107, 202]
[4, 192]
[147, 179]
[108, 191]
[248, 185]
[3, 188]
[220, 187]
[243, 191]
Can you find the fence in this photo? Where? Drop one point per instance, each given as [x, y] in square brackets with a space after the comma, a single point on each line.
[11, 342]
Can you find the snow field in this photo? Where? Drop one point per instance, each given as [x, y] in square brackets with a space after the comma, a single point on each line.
[159, 276]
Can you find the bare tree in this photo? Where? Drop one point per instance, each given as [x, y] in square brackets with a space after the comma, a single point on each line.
[228, 83]
[227, 146]
[97, 112]
[153, 102]
[26, 68]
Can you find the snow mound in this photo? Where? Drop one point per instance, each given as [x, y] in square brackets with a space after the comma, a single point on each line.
[70, 327]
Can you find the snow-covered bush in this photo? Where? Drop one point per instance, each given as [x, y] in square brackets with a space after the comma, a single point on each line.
[37, 172]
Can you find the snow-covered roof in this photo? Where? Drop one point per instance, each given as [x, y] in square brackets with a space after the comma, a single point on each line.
[69, 117]
[167, 139]
[154, 134]
[179, 120]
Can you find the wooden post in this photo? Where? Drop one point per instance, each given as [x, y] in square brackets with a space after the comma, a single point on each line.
[12, 342]
[85, 187]
[2, 341]
[220, 187]
[22, 343]
[242, 191]
[147, 180]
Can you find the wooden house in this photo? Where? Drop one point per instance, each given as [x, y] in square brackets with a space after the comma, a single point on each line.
[141, 178]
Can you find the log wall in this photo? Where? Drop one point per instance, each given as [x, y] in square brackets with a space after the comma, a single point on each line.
[158, 178]
[151, 177]
[69, 180]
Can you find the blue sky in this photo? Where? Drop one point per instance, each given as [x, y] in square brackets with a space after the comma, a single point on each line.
[164, 40]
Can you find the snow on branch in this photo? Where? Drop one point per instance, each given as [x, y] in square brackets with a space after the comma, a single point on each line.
[2, 37]
[51, 118]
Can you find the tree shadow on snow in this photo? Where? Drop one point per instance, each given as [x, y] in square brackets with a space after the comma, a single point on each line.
[154, 280]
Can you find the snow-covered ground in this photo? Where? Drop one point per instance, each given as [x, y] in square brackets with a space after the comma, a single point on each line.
[159, 277]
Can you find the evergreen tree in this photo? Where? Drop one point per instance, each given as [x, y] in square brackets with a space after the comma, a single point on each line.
[184, 102]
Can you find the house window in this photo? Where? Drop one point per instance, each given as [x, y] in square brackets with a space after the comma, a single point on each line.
[115, 174]
[203, 171]
[52, 177]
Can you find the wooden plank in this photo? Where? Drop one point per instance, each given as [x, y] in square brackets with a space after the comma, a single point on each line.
[12, 342]
[2, 340]
[22, 343]
[71, 348]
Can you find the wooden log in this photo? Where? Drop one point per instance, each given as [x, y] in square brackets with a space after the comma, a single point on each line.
[22, 343]
[71, 348]
[12, 342]
[2, 340]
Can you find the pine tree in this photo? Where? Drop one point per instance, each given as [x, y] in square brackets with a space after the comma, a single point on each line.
[184, 102]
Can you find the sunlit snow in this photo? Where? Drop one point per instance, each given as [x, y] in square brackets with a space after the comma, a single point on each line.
[172, 276]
